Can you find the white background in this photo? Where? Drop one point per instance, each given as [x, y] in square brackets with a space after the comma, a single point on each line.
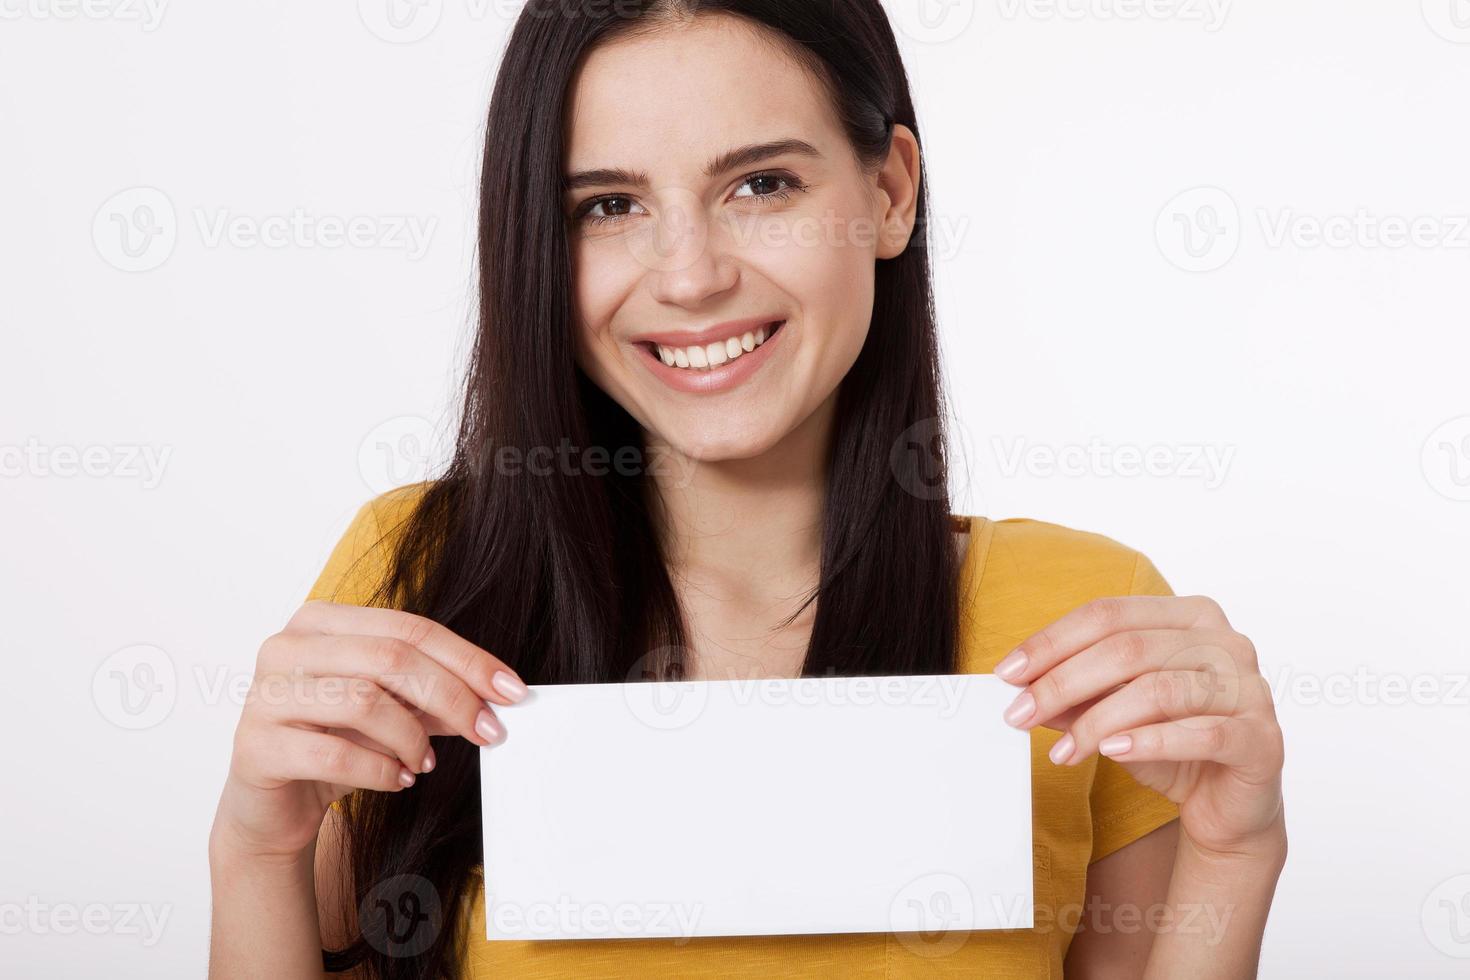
[287, 383]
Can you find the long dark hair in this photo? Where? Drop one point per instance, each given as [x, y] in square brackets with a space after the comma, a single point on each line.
[561, 574]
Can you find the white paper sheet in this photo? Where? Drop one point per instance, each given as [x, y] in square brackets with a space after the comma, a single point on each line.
[749, 807]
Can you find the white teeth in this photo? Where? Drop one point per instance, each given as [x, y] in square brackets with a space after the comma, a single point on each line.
[712, 355]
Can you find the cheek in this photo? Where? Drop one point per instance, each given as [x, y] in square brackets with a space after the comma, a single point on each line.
[827, 266]
[598, 288]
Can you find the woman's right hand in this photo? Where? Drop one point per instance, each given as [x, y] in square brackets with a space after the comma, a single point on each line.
[346, 697]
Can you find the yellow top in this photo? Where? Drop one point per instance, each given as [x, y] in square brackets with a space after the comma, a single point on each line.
[1018, 576]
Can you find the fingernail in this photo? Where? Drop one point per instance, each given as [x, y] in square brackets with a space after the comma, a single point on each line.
[488, 728]
[1062, 751]
[1021, 709]
[428, 762]
[1012, 667]
[508, 685]
[1115, 744]
[405, 777]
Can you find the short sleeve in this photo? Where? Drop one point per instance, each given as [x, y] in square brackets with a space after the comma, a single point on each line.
[1123, 809]
[363, 556]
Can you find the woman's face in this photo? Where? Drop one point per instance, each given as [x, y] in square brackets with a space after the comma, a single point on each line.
[721, 293]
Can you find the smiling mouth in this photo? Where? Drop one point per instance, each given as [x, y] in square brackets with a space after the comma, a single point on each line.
[706, 357]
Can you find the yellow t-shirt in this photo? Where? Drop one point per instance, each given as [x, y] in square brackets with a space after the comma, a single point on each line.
[1018, 576]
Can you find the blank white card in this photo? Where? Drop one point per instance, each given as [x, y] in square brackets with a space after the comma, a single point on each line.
[754, 807]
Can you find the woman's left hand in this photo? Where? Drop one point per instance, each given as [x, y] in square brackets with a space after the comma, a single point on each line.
[1165, 686]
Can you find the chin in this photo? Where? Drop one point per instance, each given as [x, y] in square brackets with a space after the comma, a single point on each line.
[728, 439]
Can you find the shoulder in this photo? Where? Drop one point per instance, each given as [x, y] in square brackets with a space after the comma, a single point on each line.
[1021, 574]
[360, 560]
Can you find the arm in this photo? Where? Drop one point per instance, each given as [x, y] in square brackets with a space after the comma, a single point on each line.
[264, 920]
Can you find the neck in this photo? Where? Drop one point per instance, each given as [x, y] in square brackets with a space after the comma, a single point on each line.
[753, 524]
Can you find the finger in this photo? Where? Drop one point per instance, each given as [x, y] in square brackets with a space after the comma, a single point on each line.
[289, 754]
[489, 676]
[357, 704]
[1115, 660]
[1089, 623]
[1155, 697]
[1253, 748]
[449, 704]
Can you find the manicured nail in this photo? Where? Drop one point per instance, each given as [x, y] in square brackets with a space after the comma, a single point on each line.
[1021, 709]
[405, 777]
[508, 685]
[1062, 751]
[1115, 744]
[1012, 667]
[488, 728]
[428, 762]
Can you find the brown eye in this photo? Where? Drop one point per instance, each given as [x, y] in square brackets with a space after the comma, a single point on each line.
[770, 186]
[615, 208]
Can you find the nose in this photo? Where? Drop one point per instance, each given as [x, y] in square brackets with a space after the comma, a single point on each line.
[690, 259]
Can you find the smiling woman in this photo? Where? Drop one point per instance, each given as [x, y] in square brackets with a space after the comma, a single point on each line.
[701, 241]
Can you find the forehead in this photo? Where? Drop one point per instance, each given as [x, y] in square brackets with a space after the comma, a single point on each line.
[672, 99]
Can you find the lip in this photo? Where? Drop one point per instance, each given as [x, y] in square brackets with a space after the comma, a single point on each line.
[721, 378]
[720, 331]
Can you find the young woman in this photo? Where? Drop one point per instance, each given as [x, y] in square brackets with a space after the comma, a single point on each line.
[700, 439]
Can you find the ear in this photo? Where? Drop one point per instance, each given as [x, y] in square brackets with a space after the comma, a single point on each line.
[898, 182]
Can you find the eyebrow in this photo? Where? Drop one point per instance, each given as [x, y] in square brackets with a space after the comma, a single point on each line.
[740, 156]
